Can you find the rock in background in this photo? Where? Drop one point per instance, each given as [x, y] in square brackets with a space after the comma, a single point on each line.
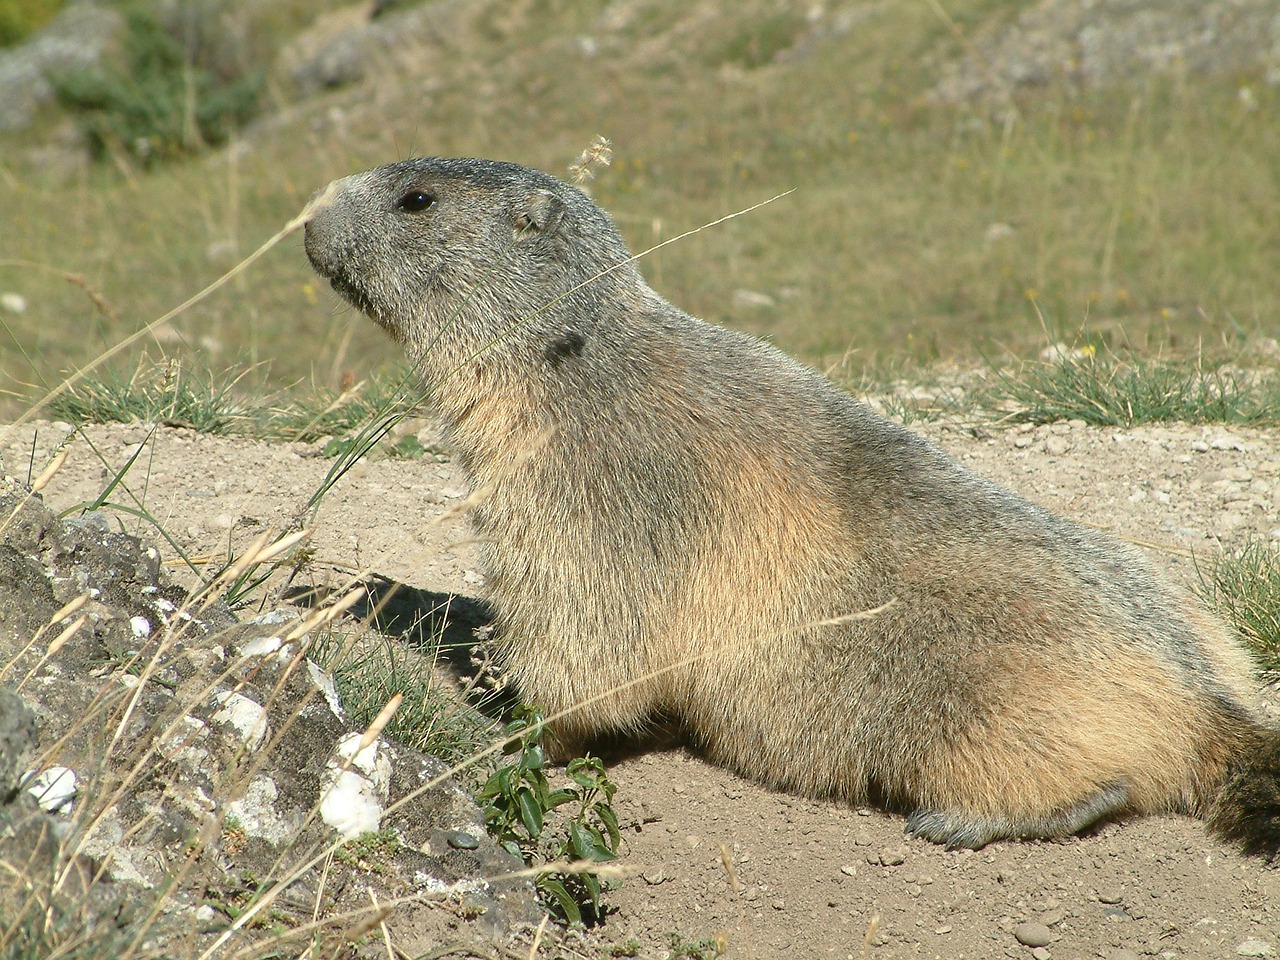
[1093, 44]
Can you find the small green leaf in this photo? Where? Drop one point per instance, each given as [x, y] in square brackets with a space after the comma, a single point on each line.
[530, 812]
[533, 758]
[580, 841]
[552, 885]
[592, 883]
[559, 797]
[609, 817]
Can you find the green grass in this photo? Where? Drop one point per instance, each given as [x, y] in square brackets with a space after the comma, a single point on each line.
[1244, 587]
[369, 670]
[1104, 390]
[917, 231]
[166, 393]
[184, 395]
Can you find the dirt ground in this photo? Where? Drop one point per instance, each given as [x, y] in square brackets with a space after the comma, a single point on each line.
[713, 857]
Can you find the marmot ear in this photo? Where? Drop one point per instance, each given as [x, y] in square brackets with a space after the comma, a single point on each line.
[539, 212]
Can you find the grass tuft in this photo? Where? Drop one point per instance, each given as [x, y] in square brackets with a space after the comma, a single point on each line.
[1103, 390]
[170, 393]
[181, 395]
[1244, 587]
[369, 670]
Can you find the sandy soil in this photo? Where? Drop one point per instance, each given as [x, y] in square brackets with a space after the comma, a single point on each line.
[715, 857]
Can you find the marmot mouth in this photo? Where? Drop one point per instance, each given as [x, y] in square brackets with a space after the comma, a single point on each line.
[355, 294]
[352, 292]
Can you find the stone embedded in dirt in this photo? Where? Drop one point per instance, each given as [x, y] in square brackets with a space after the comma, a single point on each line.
[891, 857]
[1255, 948]
[461, 840]
[1051, 918]
[1041, 953]
[1122, 954]
[1108, 895]
[1033, 934]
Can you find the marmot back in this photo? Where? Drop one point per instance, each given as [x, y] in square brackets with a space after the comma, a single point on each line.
[682, 522]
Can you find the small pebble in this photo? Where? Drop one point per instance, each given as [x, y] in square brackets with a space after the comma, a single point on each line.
[1033, 934]
[1255, 948]
[1041, 953]
[461, 840]
[849, 870]
[1110, 896]
[1052, 918]
[893, 856]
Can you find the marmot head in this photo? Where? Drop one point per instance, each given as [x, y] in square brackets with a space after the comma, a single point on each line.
[460, 255]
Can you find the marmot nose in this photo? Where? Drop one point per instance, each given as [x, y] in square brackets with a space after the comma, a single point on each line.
[324, 198]
[316, 240]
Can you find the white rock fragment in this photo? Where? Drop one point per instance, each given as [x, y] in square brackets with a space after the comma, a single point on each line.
[355, 787]
[256, 812]
[324, 683]
[247, 717]
[745, 299]
[434, 885]
[106, 842]
[186, 743]
[1061, 351]
[261, 647]
[140, 626]
[53, 788]
[272, 617]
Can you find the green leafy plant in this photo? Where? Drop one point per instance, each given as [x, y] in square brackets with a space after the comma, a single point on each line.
[680, 947]
[370, 851]
[517, 800]
[167, 100]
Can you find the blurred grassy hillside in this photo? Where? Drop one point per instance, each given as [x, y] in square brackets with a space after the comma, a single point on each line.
[1142, 214]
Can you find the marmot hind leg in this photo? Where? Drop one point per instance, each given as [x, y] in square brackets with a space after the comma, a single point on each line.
[965, 831]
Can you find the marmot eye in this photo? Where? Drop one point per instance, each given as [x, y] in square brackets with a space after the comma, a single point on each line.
[415, 201]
